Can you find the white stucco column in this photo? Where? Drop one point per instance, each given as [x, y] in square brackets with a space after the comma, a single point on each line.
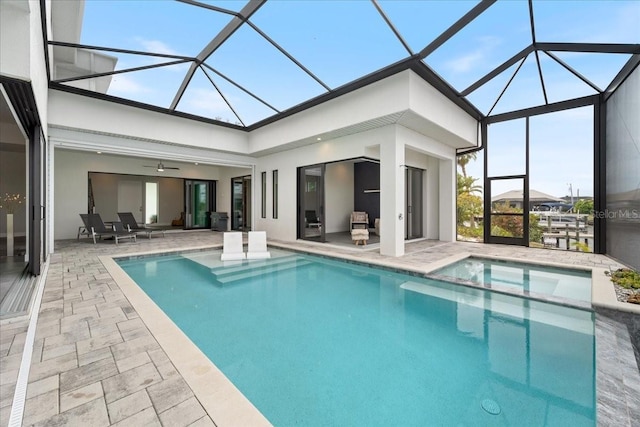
[392, 198]
[447, 210]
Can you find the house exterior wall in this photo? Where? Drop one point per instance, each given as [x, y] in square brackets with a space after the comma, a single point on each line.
[287, 163]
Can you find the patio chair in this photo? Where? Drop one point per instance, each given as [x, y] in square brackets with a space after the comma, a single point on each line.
[359, 227]
[258, 245]
[94, 223]
[130, 223]
[232, 246]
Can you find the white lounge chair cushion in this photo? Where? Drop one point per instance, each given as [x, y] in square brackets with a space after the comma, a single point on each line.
[258, 245]
[232, 246]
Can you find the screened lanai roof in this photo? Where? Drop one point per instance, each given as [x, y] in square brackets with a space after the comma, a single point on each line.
[245, 63]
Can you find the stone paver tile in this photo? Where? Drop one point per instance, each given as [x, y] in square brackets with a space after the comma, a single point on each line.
[159, 356]
[80, 396]
[94, 356]
[72, 320]
[203, 422]
[36, 357]
[111, 311]
[5, 347]
[67, 338]
[87, 374]
[146, 417]
[169, 393]
[51, 352]
[17, 345]
[183, 414]
[92, 414]
[128, 406]
[92, 344]
[54, 366]
[81, 328]
[102, 328]
[40, 407]
[135, 346]
[8, 377]
[4, 418]
[167, 370]
[6, 395]
[44, 385]
[48, 329]
[130, 381]
[132, 362]
[11, 362]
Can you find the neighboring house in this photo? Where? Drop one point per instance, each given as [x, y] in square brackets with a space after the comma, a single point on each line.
[537, 199]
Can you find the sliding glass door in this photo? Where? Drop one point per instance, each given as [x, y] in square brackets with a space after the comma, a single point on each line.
[241, 203]
[199, 202]
[413, 223]
[311, 203]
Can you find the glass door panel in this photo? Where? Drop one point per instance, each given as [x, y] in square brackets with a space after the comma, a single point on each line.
[413, 224]
[311, 203]
[198, 203]
[241, 203]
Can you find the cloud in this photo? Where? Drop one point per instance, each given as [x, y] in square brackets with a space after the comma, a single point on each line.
[476, 58]
[156, 46]
[122, 84]
[206, 102]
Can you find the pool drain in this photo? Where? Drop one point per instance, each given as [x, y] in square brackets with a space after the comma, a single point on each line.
[491, 406]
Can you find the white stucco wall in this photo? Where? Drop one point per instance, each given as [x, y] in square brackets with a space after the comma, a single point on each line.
[338, 196]
[81, 112]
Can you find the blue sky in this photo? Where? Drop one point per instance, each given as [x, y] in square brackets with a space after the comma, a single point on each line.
[339, 41]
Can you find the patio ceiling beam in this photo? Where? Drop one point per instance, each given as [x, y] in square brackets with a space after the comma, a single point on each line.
[390, 25]
[222, 96]
[590, 47]
[499, 69]
[248, 92]
[544, 109]
[236, 22]
[127, 51]
[574, 72]
[127, 70]
[626, 70]
[288, 55]
[457, 26]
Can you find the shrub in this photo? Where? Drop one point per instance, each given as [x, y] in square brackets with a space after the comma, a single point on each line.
[626, 278]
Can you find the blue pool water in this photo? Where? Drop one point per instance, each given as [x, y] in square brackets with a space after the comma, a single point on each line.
[551, 281]
[317, 342]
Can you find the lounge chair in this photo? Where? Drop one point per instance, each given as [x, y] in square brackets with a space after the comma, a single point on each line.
[129, 222]
[232, 246]
[258, 245]
[94, 223]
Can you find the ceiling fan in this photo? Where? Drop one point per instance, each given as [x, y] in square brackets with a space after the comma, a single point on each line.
[160, 167]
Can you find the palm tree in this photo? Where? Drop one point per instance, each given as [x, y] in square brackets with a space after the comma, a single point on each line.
[463, 161]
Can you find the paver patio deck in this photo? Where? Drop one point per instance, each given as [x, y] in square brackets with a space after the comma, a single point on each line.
[95, 362]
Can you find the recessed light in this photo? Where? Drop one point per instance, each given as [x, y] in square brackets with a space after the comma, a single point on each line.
[196, 163]
[318, 139]
[99, 152]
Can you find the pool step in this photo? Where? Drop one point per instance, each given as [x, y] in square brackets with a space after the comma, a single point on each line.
[255, 268]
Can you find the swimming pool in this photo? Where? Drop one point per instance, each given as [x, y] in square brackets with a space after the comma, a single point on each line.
[560, 283]
[313, 341]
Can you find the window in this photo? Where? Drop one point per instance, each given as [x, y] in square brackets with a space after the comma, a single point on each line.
[274, 183]
[264, 193]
